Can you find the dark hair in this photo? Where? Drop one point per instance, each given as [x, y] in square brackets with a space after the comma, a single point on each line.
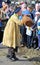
[8, 1]
[39, 10]
[25, 2]
[37, 2]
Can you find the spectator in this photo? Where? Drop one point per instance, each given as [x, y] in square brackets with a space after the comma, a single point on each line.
[38, 29]
[22, 28]
[28, 31]
[5, 9]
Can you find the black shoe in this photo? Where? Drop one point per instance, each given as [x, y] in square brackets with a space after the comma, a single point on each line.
[16, 58]
[29, 47]
[8, 56]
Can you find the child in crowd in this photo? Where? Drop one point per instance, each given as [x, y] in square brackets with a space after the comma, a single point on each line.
[29, 36]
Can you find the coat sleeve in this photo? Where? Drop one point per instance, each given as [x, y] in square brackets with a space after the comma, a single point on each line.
[16, 20]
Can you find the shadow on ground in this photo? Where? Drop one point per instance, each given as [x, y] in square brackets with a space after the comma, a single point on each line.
[35, 59]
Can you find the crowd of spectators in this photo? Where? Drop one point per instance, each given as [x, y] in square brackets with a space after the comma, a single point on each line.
[30, 35]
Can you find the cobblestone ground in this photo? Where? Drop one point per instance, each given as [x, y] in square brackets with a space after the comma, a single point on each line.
[32, 55]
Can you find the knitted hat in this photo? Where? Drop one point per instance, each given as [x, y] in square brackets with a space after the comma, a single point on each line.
[17, 9]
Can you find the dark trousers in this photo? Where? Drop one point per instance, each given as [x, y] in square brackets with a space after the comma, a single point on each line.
[11, 51]
[1, 35]
[29, 41]
[23, 33]
[39, 40]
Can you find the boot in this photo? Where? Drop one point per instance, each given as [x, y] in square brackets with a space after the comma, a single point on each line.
[14, 56]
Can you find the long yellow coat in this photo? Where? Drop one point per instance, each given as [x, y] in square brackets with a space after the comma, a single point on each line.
[11, 37]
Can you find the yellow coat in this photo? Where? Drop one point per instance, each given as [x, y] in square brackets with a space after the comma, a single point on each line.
[11, 37]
